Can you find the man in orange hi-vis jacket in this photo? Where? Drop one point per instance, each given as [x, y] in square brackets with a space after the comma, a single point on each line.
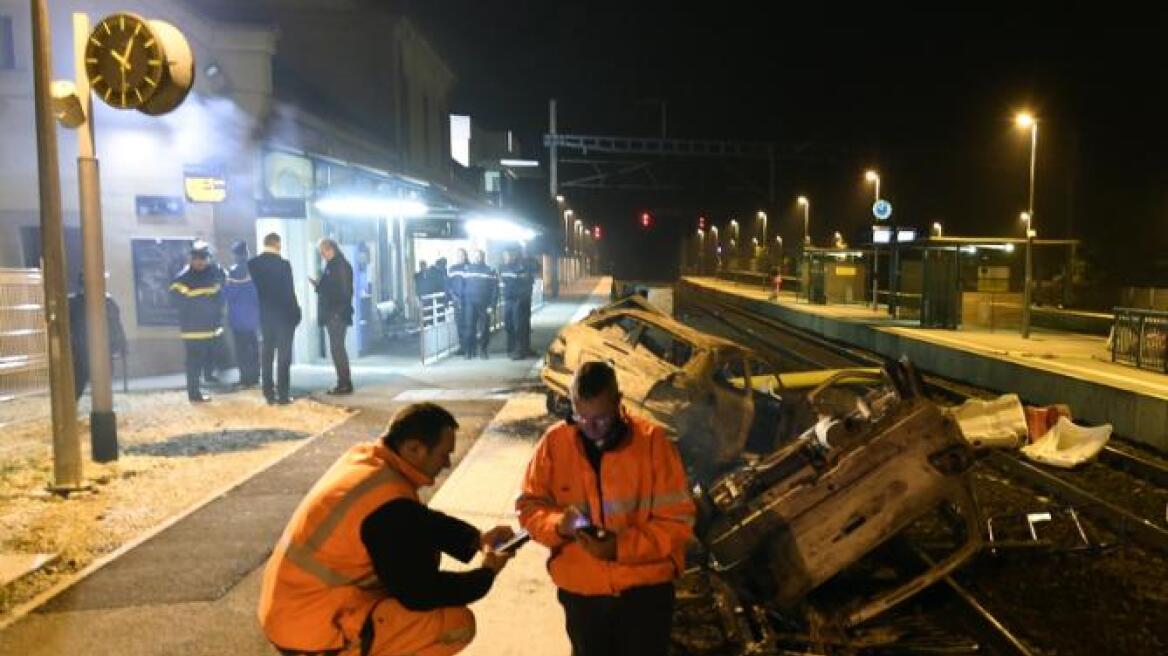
[607, 493]
[356, 572]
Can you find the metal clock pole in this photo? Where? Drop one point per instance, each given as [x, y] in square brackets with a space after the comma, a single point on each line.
[103, 424]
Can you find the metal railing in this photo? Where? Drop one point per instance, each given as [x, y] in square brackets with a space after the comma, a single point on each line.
[1140, 338]
[24, 361]
[438, 327]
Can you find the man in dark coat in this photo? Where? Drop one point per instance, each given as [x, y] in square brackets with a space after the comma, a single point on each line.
[334, 309]
[79, 336]
[480, 292]
[198, 296]
[279, 316]
[243, 315]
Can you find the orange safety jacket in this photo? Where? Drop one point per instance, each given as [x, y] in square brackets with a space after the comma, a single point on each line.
[642, 496]
[319, 584]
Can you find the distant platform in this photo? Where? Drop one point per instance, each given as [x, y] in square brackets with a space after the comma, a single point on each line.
[1050, 367]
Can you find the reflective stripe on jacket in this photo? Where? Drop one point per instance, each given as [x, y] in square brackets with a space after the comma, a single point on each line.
[319, 584]
[480, 285]
[198, 297]
[642, 496]
[517, 280]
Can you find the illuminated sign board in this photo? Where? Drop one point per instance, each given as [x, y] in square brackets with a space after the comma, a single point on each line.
[204, 184]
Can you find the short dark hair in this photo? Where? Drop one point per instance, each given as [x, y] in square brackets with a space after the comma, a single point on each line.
[271, 239]
[418, 421]
[594, 379]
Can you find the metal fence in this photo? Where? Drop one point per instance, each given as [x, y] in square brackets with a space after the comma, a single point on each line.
[1139, 338]
[437, 322]
[437, 328]
[24, 361]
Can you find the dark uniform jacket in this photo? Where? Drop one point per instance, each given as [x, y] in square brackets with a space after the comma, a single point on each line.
[480, 285]
[456, 281]
[198, 295]
[334, 292]
[517, 280]
[272, 275]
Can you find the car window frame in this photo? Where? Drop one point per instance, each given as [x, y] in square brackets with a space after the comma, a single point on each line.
[693, 348]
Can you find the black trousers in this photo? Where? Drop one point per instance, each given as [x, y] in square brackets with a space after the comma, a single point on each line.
[460, 323]
[477, 328]
[523, 325]
[247, 355]
[511, 323]
[214, 354]
[336, 328]
[636, 623]
[277, 346]
[198, 352]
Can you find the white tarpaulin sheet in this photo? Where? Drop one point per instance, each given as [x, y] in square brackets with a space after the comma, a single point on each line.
[994, 423]
[1068, 445]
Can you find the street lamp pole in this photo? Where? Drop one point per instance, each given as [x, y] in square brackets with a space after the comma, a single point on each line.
[874, 178]
[1026, 120]
[67, 468]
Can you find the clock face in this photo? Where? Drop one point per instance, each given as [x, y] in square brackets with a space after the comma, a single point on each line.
[124, 61]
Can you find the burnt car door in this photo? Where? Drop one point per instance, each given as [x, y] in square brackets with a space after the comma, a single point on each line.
[733, 405]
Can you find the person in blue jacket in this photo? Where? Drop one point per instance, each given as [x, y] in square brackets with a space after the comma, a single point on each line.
[243, 315]
[198, 296]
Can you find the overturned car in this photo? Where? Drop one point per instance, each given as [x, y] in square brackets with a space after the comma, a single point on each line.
[797, 476]
[718, 400]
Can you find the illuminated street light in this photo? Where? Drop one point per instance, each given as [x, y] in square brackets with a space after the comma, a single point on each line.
[874, 178]
[560, 199]
[806, 204]
[762, 216]
[1026, 120]
[937, 228]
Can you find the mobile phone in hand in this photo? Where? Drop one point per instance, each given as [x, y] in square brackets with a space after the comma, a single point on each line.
[593, 531]
[512, 545]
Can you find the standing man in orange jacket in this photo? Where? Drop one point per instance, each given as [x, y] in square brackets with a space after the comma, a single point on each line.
[356, 571]
[607, 493]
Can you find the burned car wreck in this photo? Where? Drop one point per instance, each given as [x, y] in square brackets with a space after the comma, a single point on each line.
[797, 477]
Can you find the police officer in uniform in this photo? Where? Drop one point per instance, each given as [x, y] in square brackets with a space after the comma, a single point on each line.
[480, 291]
[517, 281]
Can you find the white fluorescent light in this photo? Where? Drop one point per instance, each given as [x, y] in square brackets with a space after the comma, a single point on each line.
[498, 229]
[371, 206]
[519, 163]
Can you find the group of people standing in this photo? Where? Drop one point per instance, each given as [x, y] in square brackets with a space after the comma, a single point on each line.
[262, 312]
[473, 288]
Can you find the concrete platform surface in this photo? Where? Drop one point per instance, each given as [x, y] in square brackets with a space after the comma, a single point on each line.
[1049, 367]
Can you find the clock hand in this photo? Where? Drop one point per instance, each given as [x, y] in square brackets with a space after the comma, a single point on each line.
[118, 58]
[126, 54]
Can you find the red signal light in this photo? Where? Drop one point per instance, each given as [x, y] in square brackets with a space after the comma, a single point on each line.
[646, 219]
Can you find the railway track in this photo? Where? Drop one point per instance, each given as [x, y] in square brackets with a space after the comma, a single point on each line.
[1123, 466]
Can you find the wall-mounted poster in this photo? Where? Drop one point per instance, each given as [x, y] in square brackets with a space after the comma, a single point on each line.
[156, 263]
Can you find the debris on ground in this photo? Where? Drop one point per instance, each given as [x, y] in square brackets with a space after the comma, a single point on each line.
[1068, 445]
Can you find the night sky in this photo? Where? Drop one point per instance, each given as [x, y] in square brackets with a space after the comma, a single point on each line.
[926, 96]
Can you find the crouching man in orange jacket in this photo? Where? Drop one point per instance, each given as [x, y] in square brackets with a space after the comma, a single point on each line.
[607, 493]
[356, 571]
